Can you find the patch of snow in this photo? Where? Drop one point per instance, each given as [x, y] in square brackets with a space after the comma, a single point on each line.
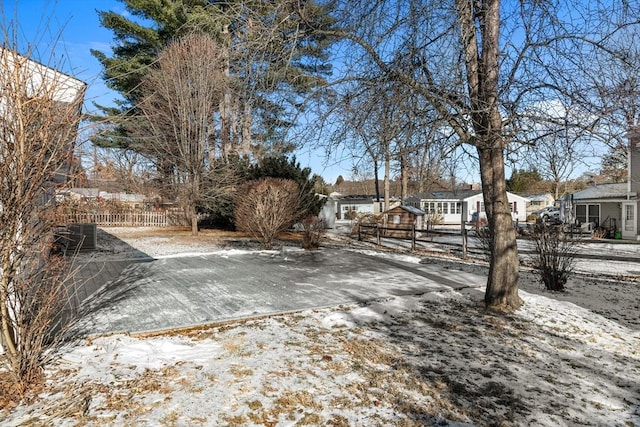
[434, 359]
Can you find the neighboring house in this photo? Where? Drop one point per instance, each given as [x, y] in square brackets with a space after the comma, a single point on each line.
[132, 200]
[79, 194]
[347, 207]
[612, 206]
[599, 206]
[87, 195]
[539, 201]
[449, 205]
[405, 218]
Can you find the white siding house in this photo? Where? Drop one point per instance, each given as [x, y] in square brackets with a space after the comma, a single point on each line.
[539, 201]
[348, 206]
[449, 205]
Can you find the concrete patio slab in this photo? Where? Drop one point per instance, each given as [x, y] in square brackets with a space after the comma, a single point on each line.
[188, 291]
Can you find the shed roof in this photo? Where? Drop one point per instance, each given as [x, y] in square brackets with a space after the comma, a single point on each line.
[411, 209]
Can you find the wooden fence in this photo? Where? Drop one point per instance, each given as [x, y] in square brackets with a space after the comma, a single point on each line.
[125, 219]
[412, 234]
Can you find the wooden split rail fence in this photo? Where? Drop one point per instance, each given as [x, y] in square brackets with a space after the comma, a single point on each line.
[412, 234]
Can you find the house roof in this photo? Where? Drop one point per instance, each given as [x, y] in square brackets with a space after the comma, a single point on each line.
[447, 195]
[602, 191]
[84, 192]
[123, 197]
[453, 195]
[362, 198]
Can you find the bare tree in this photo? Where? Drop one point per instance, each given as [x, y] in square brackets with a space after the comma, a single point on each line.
[181, 96]
[560, 147]
[480, 65]
[616, 90]
[267, 207]
[39, 114]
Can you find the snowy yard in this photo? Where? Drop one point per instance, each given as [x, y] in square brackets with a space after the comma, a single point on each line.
[431, 359]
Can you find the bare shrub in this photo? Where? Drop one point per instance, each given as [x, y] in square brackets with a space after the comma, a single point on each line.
[366, 219]
[555, 255]
[433, 218]
[267, 207]
[181, 96]
[483, 234]
[599, 233]
[313, 228]
[38, 126]
[351, 215]
[38, 321]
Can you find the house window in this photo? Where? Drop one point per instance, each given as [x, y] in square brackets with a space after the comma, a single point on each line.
[588, 213]
[458, 208]
[581, 213]
[429, 207]
[445, 208]
[481, 206]
[594, 214]
[396, 219]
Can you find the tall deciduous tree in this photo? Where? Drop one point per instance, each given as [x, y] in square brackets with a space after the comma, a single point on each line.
[271, 59]
[178, 100]
[481, 64]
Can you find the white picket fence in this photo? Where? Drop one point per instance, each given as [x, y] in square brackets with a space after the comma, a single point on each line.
[128, 219]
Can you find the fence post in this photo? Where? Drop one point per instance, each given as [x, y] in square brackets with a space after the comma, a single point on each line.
[378, 233]
[413, 237]
[464, 242]
[359, 232]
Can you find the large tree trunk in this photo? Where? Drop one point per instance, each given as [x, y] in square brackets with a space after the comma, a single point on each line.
[246, 129]
[502, 282]
[376, 181]
[481, 50]
[387, 186]
[404, 178]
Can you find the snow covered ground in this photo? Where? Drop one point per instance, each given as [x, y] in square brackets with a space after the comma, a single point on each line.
[432, 359]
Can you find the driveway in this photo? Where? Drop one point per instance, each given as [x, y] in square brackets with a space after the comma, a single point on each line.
[187, 291]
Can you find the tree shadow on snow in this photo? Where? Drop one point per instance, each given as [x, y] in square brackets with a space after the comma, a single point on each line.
[99, 284]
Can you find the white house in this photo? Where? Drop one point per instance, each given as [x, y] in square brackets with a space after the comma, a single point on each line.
[349, 206]
[449, 205]
[539, 201]
[21, 75]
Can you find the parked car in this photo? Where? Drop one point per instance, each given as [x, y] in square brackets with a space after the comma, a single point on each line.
[550, 213]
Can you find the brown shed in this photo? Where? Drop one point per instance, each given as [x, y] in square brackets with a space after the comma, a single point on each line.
[404, 218]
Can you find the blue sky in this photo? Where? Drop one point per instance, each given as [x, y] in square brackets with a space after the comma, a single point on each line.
[76, 22]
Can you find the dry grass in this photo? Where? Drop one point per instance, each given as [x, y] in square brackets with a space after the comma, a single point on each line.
[182, 235]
